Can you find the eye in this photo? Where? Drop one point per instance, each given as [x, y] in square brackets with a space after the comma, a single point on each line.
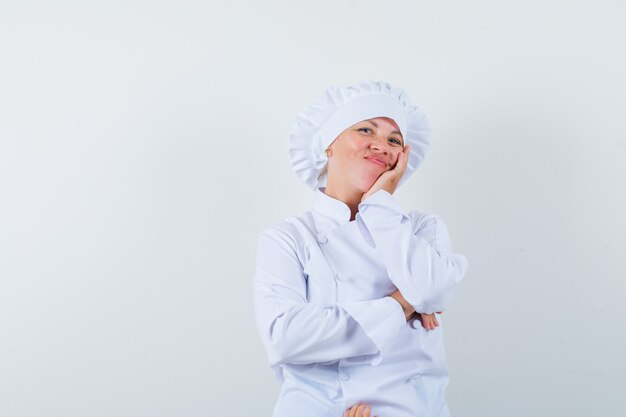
[365, 128]
[396, 141]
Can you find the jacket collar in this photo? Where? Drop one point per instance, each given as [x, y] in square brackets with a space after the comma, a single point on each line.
[331, 207]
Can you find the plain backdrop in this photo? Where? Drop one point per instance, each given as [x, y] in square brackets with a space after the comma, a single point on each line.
[143, 148]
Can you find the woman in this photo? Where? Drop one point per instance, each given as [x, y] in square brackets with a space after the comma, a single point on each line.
[337, 287]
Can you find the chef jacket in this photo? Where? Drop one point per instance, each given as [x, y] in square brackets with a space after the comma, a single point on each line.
[332, 334]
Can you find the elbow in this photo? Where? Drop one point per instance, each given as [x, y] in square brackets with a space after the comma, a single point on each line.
[276, 355]
[279, 345]
[450, 271]
[280, 353]
[276, 344]
[459, 265]
[443, 277]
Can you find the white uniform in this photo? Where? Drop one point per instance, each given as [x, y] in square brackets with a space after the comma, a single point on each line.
[333, 336]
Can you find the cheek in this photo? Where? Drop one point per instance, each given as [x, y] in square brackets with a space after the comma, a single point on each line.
[354, 151]
[356, 146]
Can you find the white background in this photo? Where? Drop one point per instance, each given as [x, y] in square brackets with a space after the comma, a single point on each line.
[143, 148]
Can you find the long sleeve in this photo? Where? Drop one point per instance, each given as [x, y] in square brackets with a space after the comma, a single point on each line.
[420, 262]
[295, 331]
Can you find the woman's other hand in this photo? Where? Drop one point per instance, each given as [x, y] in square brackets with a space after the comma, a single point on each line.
[389, 180]
[406, 307]
[359, 410]
[429, 321]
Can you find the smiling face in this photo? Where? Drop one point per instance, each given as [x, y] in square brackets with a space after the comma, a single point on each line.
[362, 152]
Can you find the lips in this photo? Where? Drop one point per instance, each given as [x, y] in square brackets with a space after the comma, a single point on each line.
[376, 161]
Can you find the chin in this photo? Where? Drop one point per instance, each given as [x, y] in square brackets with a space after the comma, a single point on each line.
[364, 183]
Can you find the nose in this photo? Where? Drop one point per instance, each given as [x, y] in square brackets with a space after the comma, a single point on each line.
[380, 144]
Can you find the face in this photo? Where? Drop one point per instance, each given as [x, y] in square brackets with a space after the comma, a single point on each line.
[364, 151]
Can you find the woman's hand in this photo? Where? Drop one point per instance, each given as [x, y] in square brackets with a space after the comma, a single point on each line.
[406, 307]
[359, 410]
[429, 321]
[389, 180]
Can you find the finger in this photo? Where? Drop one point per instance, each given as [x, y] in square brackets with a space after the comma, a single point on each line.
[405, 157]
[360, 410]
[400, 163]
[368, 411]
[352, 411]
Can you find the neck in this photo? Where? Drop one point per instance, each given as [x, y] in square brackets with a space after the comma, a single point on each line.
[350, 196]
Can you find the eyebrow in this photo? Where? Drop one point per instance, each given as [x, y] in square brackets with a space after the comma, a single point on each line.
[394, 132]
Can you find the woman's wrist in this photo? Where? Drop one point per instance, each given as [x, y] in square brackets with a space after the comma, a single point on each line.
[407, 309]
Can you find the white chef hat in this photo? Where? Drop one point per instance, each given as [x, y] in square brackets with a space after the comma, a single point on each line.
[341, 107]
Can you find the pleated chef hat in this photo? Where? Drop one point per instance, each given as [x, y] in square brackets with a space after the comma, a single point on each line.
[341, 107]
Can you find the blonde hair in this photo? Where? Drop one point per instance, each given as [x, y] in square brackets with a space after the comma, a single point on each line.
[323, 172]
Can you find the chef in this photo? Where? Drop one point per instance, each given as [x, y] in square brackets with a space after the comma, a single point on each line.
[346, 293]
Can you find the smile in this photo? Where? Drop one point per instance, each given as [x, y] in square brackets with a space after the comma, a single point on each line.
[377, 162]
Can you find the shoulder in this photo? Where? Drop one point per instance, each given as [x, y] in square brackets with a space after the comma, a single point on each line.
[291, 228]
[288, 239]
[292, 233]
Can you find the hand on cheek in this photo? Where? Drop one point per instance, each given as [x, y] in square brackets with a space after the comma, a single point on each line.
[389, 180]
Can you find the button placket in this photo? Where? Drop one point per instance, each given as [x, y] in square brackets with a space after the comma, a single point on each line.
[335, 394]
[322, 239]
